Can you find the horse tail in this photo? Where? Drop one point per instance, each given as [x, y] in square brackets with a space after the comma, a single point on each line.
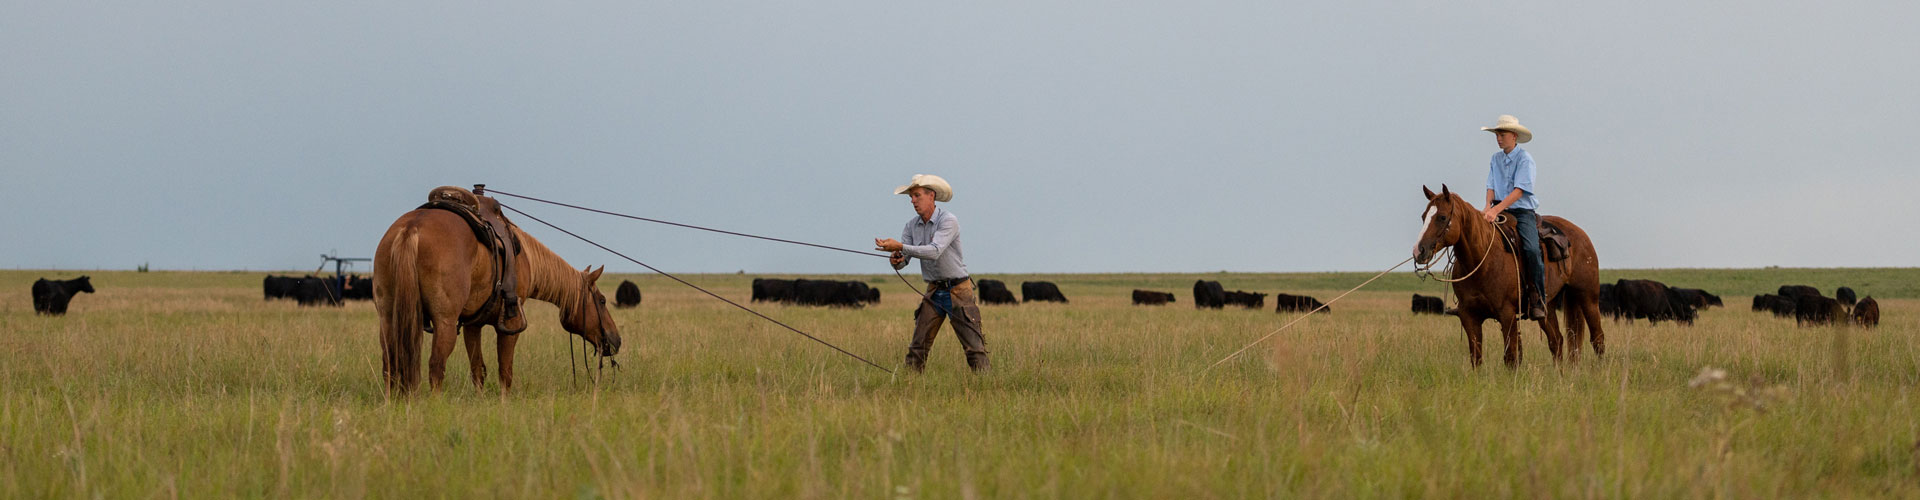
[400, 325]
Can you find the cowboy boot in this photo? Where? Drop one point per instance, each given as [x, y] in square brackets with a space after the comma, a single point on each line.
[1536, 306]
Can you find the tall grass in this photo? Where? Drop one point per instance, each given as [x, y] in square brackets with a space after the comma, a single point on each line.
[188, 385]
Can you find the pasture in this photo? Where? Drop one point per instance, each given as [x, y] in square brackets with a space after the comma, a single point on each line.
[189, 385]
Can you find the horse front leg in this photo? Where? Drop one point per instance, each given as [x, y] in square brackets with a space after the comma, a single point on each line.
[476, 357]
[1471, 325]
[504, 347]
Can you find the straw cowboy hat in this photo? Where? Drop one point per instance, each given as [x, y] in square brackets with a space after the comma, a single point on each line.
[1511, 124]
[941, 191]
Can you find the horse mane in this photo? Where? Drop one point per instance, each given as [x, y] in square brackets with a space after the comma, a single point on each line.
[551, 278]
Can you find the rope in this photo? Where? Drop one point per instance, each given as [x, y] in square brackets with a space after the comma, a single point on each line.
[1305, 316]
[688, 226]
[696, 287]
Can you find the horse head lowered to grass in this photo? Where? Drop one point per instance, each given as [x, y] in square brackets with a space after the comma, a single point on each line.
[434, 273]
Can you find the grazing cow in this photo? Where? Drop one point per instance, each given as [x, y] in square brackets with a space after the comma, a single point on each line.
[1285, 303]
[1762, 302]
[1151, 298]
[1700, 299]
[627, 296]
[1781, 307]
[1651, 300]
[1867, 312]
[995, 292]
[50, 297]
[1249, 300]
[1208, 295]
[279, 287]
[1812, 310]
[1040, 290]
[1845, 296]
[1423, 304]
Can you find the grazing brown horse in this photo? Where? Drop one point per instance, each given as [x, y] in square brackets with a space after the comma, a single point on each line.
[1486, 277]
[430, 271]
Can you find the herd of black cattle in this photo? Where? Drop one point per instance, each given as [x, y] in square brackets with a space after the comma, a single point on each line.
[1624, 299]
[1655, 302]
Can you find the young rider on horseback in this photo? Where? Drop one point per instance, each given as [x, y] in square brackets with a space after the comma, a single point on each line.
[1510, 190]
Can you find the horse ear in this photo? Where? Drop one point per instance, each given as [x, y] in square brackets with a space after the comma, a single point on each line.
[594, 275]
[1429, 192]
[1443, 189]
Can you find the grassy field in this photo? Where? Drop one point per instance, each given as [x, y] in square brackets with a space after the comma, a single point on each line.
[188, 385]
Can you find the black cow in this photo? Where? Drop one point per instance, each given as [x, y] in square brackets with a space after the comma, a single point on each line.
[1423, 304]
[1151, 298]
[279, 287]
[1867, 312]
[627, 296]
[994, 292]
[358, 288]
[50, 297]
[1284, 303]
[1810, 310]
[772, 290]
[1700, 299]
[1780, 306]
[1249, 300]
[313, 291]
[830, 293]
[1845, 296]
[1208, 295]
[1609, 303]
[807, 292]
[1796, 291]
[1040, 290]
[1652, 301]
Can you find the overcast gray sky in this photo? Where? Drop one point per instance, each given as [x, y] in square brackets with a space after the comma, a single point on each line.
[1078, 136]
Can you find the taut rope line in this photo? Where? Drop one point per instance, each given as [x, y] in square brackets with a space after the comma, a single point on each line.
[697, 287]
[1305, 316]
[688, 226]
[896, 272]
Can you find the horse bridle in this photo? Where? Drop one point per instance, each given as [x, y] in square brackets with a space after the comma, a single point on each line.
[1425, 269]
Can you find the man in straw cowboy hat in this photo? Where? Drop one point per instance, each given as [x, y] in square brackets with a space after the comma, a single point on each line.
[933, 236]
[1510, 189]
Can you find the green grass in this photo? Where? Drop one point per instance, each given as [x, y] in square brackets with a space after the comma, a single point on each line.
[189, 385]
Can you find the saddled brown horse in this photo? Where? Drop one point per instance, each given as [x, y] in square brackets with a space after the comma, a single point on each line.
[430, 271]
[1488, 277]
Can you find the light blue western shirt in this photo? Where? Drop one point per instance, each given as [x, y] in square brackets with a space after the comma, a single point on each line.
[936, 243]
[1513, 170]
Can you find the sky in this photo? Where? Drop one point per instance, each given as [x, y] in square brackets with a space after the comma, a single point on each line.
[1079, 137]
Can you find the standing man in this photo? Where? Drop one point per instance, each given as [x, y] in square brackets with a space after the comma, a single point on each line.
[1510, 183]
[933, 236]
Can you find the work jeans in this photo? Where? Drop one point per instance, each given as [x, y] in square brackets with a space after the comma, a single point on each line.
[965, 311]
[1527, 223]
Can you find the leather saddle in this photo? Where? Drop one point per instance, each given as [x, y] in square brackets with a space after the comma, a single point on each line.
[1553, 241]
[495, 232]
